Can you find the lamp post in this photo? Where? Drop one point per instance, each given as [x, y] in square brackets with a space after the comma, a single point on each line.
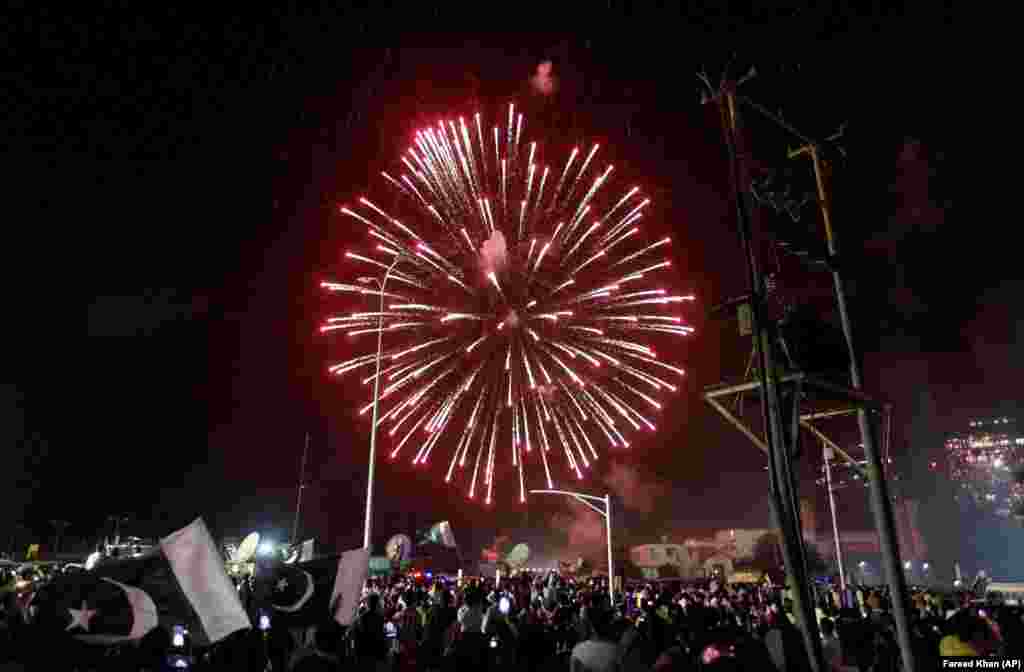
[60, 526]
[606, 513]
[376, 399]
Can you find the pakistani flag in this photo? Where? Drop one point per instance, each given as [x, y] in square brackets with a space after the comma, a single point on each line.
[307, 593]
[180, 582]
[306, 552]
[441, 533]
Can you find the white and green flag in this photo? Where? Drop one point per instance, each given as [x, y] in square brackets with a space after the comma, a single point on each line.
[441, 533]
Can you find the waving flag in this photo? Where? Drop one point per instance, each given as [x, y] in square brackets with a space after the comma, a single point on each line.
[95, 609]
[309, 593]
[306, 554]
[180, 582]
[441, 533]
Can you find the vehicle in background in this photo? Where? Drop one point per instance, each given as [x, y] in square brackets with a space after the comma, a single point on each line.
[1008, 592]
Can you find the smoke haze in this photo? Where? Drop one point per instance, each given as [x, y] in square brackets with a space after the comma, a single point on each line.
[494, 253]
[544, 81]
[637, 491]
[584, 529]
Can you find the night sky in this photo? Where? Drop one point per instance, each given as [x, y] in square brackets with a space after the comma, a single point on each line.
[184, 170]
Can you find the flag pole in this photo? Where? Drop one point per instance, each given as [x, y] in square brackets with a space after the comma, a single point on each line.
[298, 496]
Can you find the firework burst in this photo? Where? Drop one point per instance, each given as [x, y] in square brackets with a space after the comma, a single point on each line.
[517, 309]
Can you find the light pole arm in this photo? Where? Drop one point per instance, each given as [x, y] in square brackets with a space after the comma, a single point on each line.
[578, 495]
[601, 512]
[606, 513]
[387, 275]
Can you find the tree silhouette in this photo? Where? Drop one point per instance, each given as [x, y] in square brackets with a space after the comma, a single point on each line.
[631, 570]
[816, 564]
[767, 555]
[668, 571]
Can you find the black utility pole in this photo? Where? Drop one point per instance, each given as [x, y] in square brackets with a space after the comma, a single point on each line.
[881, 501]
[782, 488]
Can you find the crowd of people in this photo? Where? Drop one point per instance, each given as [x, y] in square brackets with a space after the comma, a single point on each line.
[553, 622]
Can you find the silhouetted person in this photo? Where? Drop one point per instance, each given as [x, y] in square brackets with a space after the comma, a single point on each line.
[371, 641]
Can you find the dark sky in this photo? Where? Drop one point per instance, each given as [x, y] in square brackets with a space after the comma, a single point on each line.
[196, 161]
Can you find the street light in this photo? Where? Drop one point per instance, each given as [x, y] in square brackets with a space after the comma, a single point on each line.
[829, 454]
[381, 284]
[606, 513]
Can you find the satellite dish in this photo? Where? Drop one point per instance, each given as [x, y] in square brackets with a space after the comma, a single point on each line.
[247, 549]
[518, 556]
[398, 548]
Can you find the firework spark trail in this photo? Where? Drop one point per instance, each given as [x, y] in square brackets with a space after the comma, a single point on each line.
[547, 339]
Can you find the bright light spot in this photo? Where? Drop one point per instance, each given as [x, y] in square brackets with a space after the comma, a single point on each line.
[266, 548]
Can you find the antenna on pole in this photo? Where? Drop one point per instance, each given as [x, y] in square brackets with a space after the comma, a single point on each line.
[298, 497]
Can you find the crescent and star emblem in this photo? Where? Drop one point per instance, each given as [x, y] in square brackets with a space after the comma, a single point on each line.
[80, 618]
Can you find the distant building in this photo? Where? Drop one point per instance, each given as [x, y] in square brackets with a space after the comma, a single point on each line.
[736, 543]
[650, 557]
[981, 460]
[726, 549]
